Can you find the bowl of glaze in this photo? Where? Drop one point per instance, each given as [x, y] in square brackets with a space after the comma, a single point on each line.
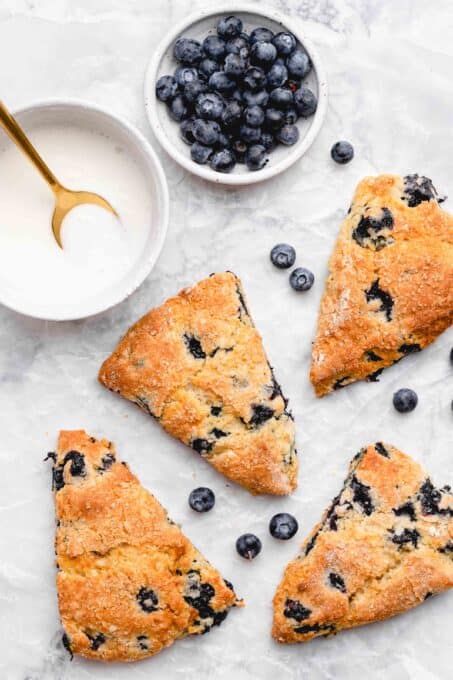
[197, 26]
[87, 147]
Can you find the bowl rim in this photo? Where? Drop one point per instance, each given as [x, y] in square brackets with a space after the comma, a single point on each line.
[151, 101]
[140, 273]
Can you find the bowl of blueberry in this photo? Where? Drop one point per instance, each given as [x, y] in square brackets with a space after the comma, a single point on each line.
[237, 96]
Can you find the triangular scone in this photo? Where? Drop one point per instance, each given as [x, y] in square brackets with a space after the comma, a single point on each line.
[197, 364]
[129, 582]
[390, 287]
[384, 545]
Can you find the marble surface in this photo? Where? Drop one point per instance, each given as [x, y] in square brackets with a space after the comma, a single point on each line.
[389, 66]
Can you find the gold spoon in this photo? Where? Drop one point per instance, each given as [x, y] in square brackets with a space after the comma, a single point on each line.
[65, 199]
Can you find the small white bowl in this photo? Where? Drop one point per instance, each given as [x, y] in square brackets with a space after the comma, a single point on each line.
[132, 143]
[197, 26]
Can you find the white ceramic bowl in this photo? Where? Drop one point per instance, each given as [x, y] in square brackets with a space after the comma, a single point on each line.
[197, 26]
[132, 143]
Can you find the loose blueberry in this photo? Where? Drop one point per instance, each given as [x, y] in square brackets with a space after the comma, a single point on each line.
[234, 65]
[178, 109]
[260, 34]
[188, 51]
[255, 157]
[239, 45]
[254, 116]
[214, 47]
[232, 114]
[185, 74]
[283, 526]
[451, 355]
[281, 98]
[210, 106]
[248, 546]
[206, 131]
[342, 152]
[229, 27]
[224, 140]
[199, 153]
[262, 54]
[283, 256]
[301, 279]
[207, 67]
[405, 400]
[288, 135]
[298, 64]
[268, 141]
[166, 88]
[239, 149]
[223, 161]
[285, 43]
[221, 82]
[202, 499]
[193, 89]
[255, 78]
[259, 98]
[274, 119]
[250, 135]
[291, 116]
[305, 102]
[276, 76]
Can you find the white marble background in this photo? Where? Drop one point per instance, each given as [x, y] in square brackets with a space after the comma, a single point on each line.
[390, 67]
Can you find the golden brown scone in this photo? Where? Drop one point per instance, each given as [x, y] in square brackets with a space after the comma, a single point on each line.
[384, 546]
[390, 287]
[197, 364]
[129, 582]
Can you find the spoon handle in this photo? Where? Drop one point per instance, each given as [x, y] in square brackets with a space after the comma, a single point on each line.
[19, 137]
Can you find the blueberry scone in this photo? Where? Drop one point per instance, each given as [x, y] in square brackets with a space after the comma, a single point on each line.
[390, 288]
[384, 546]
[198, 366]
[129, 582]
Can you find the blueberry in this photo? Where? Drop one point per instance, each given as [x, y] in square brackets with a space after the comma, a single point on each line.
[207, 67]
[288, 135]
[260, 35]
[239, 45]
[259, 98]
[283, 526]
[229, 27]
[193, 89]
[291, 116]
[262, 54]
[281, 98]
[210, 106]
[255, 157]
[298, 64]
[239, 149]
[186, 131]
[451, 355]
[185, 74]
[147, 599]
[267, 140]
[250, 135]
[206, 131]
[200, 154]
[405, 400]
[236, 95]
[255, 78]
[221, 82]
[178, 109]
[214, 47]
[285, 43]
[342, 152]
[166, 88]
[254, 116]
[223, 161]
[305, 101]
[248, 546]
[188, 51]
[274, 119]
[301, 279]
[224, 140]
[235, 65]
[276, 76]
[283, 256]
[202, 499]
[232, 114]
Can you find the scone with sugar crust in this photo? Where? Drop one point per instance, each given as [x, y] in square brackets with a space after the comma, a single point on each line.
[390, 288]
[384, 546]
[198, 366]
[129, 582]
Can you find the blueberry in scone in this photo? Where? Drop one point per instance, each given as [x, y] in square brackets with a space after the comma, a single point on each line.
[198, 366]
[129, 582]
[382, 547]
[390, 288]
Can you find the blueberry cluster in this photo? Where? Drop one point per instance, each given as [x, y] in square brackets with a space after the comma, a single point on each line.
[283, 256]
[237, 95]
